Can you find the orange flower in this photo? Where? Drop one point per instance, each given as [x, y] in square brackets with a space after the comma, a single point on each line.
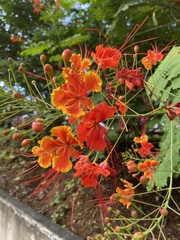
[72, 98]
[106, 57]
[142, 139]
[45, 157]
[147, 167]
[126, 195]
[91, 131]
[152, 58]
[78, 64]
[57, 152]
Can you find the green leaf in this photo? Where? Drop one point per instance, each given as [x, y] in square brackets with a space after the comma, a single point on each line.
[166, 78]
[37, 48]
[125, 6]
[74, 40]
[169, 157]
[164, 84]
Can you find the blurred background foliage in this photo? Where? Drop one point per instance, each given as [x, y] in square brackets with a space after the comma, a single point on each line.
[60, 24]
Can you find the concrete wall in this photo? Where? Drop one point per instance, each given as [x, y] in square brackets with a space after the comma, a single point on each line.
[20, 222]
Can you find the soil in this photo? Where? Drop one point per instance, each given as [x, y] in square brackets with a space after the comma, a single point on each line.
[86, 219]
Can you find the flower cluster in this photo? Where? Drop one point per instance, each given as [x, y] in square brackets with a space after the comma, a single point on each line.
[93, 103]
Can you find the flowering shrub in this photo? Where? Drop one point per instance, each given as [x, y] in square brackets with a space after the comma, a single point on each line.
[94, 103]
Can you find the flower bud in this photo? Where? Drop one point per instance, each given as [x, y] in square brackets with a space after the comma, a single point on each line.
[21, 70]
[26, 142]
[16, 136]
[66, 55]
[48, 69]
[22, 64]
[39, 120]
[143, 180]
[43, 58]
[134, 213]
[136, 49]
[37, 127]
[138, 236]
[6, 132]
[164, 212]
[114, 197]
[10, 60]
[117, 229]
[131, 165]
[17, 95]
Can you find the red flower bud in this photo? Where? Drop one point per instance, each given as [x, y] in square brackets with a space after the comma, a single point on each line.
[48, 69]
[138, 236]
[117, 229]
[21, 70]
[39, 120]
[136, 49]
[43, 58]
[17, 95]
[134, 213]
[37, 127]
[144, 180]
[164, 212]
[66, 55]
[6, 132]
[16, 136]
[26, 142]
[131, 165]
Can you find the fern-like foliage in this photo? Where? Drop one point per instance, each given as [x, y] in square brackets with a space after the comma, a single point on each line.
[169, 158]
[164, 84]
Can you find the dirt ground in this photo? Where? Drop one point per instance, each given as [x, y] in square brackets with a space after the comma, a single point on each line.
[86, 219]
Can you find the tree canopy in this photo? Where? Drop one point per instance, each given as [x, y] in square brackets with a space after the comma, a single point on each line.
[30, 28]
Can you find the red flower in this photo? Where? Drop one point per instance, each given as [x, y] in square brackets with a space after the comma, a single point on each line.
[147, 167]
[106, 57]
[152, 58]
[145, 149]
[132, 78]
[90, 129]
[89, 172]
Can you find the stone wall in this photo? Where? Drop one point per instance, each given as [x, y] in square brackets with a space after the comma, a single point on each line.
[20, 222]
